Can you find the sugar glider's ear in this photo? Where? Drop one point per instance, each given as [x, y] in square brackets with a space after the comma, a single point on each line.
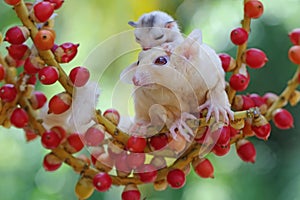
[128, 73]
[170, 24]
[132, 23]
[191, 45]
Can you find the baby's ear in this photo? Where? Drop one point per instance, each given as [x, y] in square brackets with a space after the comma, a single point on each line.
[170, 24]
[128, 73]
[191, 45]
[132, 23]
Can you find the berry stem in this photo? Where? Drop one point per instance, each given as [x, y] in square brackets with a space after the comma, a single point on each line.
[240, 51]
[284, 97]
[49, 59]
[47, 56]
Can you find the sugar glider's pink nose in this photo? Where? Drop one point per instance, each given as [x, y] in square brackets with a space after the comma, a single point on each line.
[135, 81]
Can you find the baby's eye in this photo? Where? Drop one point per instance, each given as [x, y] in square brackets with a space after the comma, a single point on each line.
[159, 37]
[162, 60]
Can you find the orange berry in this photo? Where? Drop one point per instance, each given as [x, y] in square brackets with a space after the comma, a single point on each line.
[294, 54]
[44, 40]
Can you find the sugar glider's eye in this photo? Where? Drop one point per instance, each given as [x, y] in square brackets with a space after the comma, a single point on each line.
[138, 62]
[137, 39]
[161, 60]
[159, 37]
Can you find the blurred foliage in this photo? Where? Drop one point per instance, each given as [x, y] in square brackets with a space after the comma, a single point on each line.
[275, 173]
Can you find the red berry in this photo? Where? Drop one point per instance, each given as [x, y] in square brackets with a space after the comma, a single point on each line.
[258, 100]
[57, 3]
[246, 150]
[239, 82]
[121, 164]
[131, 192]
[51, 162]
[255, 58]
[8, 93]
[102, 181]
[48, 75]
[263, 131]
[247, 103]
[61, 133]
[17, 35]
[253, 9]
[295, 36]
[65, 52]
[283, 119]
[96, 152]
[294, 54]
[228, 63]
[33, 65]
[43, 11]
[18, 51]
[233, 131]
[38, 100]
[60, 103]
[31, 80]
[203, 168]
[44, 40]
[50, 139]
[136, 144]
[159, 141]
[79, 76]
[269, 98]
[19, 118]
[12, 2]
[224, 136]
[176, 178]
[221, 150]
[135, 160]
[94, 135]
[75, 141]
[2, 72]
[112, 115]
[239, 36]
[247, 129]
[147, 173]
[29, 134]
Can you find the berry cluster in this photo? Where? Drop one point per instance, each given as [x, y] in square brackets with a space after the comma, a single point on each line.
[135, 159]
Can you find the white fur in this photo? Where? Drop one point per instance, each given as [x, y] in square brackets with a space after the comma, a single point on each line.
[79, 117]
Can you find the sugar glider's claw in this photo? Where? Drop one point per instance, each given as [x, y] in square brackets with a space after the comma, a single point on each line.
[182, 127]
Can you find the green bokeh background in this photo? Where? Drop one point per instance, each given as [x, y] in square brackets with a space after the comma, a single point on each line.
[275, 175]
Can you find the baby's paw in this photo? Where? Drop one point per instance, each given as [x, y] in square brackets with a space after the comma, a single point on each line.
[168, 47]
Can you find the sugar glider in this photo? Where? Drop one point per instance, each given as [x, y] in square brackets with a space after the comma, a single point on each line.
[157, 28]
[178, 84]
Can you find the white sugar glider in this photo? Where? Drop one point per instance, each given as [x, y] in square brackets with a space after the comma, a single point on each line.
[79, 117]
[157, 28]
[170, 88]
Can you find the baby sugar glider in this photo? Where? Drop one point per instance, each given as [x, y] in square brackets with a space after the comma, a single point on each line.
[170, 88]
[156, 29]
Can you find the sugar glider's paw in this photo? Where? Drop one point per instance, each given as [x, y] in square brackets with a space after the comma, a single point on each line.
[220, 112]
[181, 126]
[168, 47]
